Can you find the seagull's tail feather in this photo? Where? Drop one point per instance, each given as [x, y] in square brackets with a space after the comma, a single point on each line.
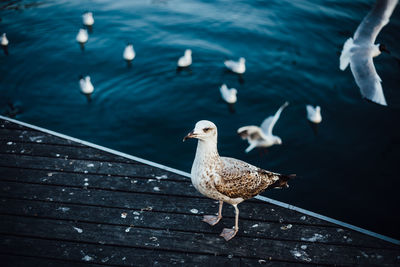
[345, 55]
[282, 182]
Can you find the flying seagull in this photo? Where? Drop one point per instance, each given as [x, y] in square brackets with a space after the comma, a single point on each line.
[262, 136]
[226, 179]
[359, 51]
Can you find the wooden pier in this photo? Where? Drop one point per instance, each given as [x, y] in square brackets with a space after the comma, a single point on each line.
[65, 202]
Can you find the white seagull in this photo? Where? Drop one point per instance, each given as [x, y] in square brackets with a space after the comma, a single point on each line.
[82, 36]
[4, 40]
[262, 136]
[227, 179]
[88, 19]
[86, 86]
[238, 67]
[359, 51]
[186, 59]
[314, 114]
[229, 95]
[129, 53]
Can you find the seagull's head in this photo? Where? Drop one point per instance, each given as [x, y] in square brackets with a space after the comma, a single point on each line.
[383, 48]
[188, 52]
[242, 60]
[277, 140]
[204, 130]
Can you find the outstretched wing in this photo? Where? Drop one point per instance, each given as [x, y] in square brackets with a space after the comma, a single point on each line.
[364, 72]
[239, 179]
[251, 133]
[268, 124]
[376, 19]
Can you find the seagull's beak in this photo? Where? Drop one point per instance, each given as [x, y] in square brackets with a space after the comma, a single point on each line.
[189, 135]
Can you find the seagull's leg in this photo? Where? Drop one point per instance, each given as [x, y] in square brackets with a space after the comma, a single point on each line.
[213, 220]
[227, 233]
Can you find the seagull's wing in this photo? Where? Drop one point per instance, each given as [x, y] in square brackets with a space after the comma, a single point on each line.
[376, 19]
[251, 133]
[230, 64]
[310, 110]
[82, 84]
[268, 124]
[225, 92]
[239, 179]
[363, 69]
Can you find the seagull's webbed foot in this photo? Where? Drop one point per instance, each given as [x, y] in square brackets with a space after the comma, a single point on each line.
[211, 219]
[228, 234]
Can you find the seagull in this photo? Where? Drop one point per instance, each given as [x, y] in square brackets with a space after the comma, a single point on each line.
[82, 37]
[186, 59]
[314, 114]
[86, 86]
[229, 95]
[226, 179]
[129, 53]
[238, 67]
[4, 40]
[4, 43]
[359, 51]
[262, 136]
[88, 19]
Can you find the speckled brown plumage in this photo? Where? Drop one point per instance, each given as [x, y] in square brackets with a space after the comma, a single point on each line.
[240, 179]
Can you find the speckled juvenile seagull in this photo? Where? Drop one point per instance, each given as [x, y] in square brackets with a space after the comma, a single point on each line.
[226, 179]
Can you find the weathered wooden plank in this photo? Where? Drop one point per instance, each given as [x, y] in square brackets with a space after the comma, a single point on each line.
[76, 252]
[10, 125]
[58, 151]
[194, 242]
[161, 203]
[188, 222]
[156, 186]
[30, 261]
[85, 166]
[27, 135]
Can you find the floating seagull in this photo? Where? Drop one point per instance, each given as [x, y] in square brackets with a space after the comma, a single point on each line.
[359, 51]
[86, 86]
[229, 95]
[226, 179]
[4, 43]
[82, 37]
[88, 19]
[4, 40]
[262, 136]
[129, 53]
[238, 67]
[186, 59]
[314, 114]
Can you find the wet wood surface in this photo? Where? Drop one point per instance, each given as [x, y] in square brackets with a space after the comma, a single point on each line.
[63, 203]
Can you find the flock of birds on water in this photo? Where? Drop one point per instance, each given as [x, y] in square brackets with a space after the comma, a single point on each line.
[231, 180]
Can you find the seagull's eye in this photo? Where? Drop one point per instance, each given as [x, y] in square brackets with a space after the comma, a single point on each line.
[206, 129]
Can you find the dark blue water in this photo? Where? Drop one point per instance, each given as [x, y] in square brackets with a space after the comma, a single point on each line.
[349, 171]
